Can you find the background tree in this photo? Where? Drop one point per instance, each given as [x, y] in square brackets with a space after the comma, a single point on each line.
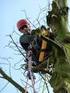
[58, 22]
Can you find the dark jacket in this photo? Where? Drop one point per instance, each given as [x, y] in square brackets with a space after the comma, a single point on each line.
[25, 40]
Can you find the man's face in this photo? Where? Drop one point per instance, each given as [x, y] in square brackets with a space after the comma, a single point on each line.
[24, 29]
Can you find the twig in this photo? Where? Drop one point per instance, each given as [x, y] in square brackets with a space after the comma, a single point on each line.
[4, 87]
[45, 83]
[17, 46]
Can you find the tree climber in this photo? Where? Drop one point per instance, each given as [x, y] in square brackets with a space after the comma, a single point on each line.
[25, 41]
[33, 43]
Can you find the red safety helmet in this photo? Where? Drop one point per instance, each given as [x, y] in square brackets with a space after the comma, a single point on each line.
[21, 23]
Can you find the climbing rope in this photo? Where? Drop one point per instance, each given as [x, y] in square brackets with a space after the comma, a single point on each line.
[30, 74]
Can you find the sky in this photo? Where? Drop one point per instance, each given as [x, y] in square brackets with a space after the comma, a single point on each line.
[10, 12]
[13, 10]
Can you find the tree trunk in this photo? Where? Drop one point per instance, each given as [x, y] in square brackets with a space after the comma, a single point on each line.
[61, 90]
[57, 20]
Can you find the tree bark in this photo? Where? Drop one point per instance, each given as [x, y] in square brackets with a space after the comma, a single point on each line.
[57, 20]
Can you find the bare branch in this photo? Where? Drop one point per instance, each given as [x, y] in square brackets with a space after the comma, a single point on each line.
[28, 18]
[20, 88]
[16, 46]
[45, 83]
